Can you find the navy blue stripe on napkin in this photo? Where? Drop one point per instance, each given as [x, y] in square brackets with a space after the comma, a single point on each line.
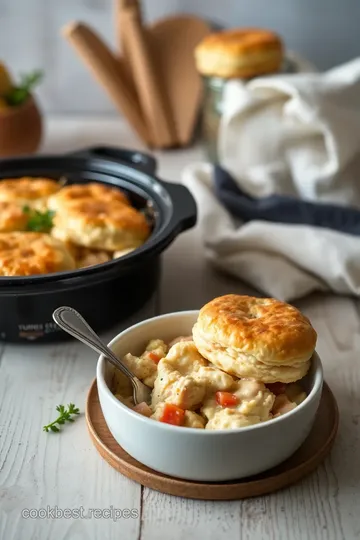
[283, 209]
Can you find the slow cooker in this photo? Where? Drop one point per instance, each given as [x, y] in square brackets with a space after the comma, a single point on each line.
[105, 293]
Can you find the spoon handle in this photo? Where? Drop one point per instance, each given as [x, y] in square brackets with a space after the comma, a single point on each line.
[73, 323]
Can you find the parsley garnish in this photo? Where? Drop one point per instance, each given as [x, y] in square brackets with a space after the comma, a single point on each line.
[39, 221]
[64, 416]
[20, 93]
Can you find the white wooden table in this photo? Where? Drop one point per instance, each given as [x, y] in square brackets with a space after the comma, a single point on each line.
[43, 471]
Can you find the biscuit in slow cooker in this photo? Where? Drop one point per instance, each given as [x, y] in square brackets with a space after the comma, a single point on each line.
[256, 338]
[28, 191]
[12, 217]
[239, 53]
[93, 190]
[31, 253]
[102, 224]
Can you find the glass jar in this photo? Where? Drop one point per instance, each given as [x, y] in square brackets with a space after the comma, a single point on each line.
[212, 108]
[211, 114]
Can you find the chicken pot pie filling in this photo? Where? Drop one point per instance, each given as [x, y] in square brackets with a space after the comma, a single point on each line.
[188, 391]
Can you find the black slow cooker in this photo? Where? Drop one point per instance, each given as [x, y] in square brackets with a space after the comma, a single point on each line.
[108, 292]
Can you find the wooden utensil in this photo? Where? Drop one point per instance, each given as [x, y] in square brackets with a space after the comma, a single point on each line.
[173, 41]
[120, 27]
[304, 461]
[109, 72]
[145, 73]
[120, 33]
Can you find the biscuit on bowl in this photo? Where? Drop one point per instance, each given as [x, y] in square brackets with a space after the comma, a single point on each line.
[257, 338]
[193, 453]
[239, 53]
[28, 191]
[32, 253]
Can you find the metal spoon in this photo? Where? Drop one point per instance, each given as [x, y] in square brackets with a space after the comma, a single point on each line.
[74, 324]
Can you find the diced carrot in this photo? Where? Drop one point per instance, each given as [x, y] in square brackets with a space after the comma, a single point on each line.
[154, 357]
[277, 388]
[226, 399]
[143, 408]
[173, 415]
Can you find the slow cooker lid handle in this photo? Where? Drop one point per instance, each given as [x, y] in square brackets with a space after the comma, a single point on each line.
[140, 160]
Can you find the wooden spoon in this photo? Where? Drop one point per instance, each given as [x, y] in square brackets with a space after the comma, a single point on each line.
[120, 27]
[143, 63]
[109, 72]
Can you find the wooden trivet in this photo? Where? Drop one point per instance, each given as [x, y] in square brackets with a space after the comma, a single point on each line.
[304, 461]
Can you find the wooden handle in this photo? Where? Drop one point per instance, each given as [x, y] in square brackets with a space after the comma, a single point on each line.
[134, 4]
[154, 105]
[108, 72]
[120, 7]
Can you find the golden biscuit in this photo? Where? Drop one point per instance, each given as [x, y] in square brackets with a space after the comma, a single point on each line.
[256, 338]
[108, 225]
[99, 217]
[12, 217]
[240, 53]
[77, 192]
[30, 253]
[27, 191]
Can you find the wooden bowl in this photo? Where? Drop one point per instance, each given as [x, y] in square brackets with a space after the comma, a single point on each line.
[20, 129]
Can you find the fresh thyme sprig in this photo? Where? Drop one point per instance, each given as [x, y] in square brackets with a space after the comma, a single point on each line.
[64, 416]
[39, 221]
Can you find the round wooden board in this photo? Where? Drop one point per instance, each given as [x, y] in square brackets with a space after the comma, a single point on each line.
[304, 461]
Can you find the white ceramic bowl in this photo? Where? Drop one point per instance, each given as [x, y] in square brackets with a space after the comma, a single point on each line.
[197, 454]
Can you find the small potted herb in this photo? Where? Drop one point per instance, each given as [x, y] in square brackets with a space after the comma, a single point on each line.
[20, 118]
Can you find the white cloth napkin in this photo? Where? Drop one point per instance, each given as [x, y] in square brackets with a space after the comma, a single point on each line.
[296, 135]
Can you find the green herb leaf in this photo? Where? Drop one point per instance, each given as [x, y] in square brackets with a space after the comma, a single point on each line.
[65, 416]
[39, 221]
[20, 93]
[73, 409]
